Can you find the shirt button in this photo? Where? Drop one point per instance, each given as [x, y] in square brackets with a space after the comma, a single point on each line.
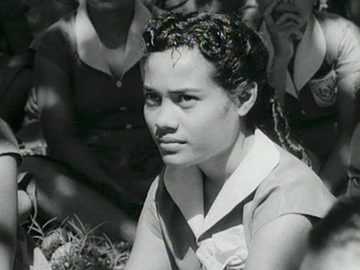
[118, 84]
[128, 126]
[123, 109]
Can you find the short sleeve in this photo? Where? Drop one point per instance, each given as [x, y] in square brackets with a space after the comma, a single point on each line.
[343, 45]
[349, 53]
[149, 215]
[57, 44]
[8, 143]
[289, 190]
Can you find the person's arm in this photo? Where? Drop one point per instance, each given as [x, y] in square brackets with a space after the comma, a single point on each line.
[56, 117]
[281, 32]
[8, 210]
[280, 244]
[334, 171]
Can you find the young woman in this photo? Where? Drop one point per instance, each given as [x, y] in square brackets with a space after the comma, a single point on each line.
[229, 196]
[315, 70]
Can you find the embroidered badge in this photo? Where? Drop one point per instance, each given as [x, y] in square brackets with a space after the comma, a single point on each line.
[324, 89]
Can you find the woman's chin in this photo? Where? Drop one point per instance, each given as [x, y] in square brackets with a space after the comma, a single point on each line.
[174, 161]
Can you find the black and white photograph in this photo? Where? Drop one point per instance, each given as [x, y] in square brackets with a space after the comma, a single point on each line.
[180, 134]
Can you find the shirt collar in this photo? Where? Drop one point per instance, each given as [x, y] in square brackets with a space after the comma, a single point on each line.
[185, 185]
[309, 55]
[91, 50]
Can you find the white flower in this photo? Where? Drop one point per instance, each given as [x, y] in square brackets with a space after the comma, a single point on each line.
[224, 249]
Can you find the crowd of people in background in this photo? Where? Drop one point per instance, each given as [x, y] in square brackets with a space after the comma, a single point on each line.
[153, 117]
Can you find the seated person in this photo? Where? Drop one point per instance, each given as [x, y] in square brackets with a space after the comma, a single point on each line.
[229, 197]
[315, 70]
[334, 242]
[101, 158]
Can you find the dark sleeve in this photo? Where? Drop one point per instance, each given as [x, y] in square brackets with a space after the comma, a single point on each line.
[58, 43]
[8, 143]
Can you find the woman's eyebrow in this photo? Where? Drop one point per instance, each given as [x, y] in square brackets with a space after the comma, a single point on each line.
[185, 90]
[175, 91]
[148, 89]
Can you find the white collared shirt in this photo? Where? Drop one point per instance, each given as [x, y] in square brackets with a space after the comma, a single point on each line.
[267, 184]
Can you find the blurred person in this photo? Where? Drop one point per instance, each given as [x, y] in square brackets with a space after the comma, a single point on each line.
[315, 70]
[101, 158]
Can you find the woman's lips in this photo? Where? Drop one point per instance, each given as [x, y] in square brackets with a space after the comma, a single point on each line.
[171, 147]
[277, 14]
[170, 144]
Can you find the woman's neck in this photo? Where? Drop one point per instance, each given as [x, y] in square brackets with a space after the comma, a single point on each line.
[112, 26]
[219, 168]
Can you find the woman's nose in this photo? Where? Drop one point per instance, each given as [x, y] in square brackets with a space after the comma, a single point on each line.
[166, 117]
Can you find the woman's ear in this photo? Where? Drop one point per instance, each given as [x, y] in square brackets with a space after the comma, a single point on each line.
[247, 97]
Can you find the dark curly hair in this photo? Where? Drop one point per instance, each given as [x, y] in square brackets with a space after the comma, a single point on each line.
[239, 58]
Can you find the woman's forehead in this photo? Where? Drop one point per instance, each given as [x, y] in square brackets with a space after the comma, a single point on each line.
[182, 68]
[186, 56]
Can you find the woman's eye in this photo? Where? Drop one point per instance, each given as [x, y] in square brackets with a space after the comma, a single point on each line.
[152, 99]
[187, 101]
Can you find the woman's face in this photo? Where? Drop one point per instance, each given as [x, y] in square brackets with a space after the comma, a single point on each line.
[301, 8]
[191, 118]
[109, 5]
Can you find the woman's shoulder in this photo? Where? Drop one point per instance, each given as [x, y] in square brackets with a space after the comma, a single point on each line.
[337, 29]
[332, 20]
[292, 172]
[291, 188]
[64, 24]
[58, 43]
[61, 33]
[291, 165]
[293, 184]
